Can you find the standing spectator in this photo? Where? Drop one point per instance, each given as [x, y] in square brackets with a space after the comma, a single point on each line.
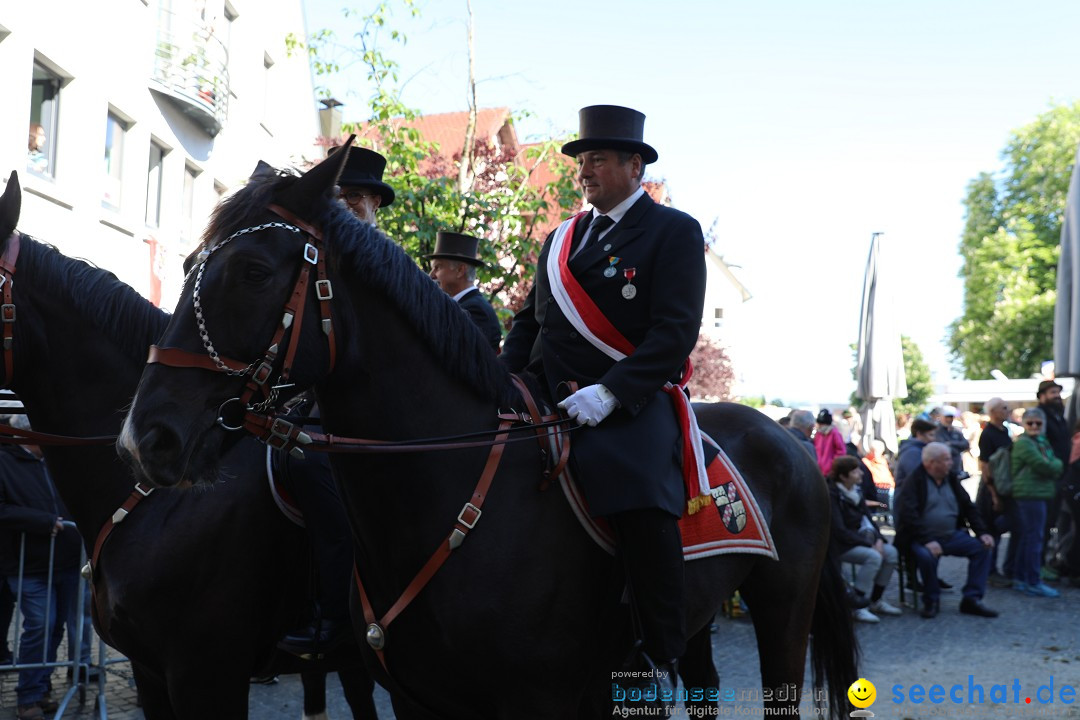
[1071, 488]
[856, 433]
[828, 444]
[952, 436]
[1060, 439]
[29, 504]
[802, 427]
[934, 513]
[903, 426]
[1035, 471]
[910, 456]
[998, 511]
[857, 540]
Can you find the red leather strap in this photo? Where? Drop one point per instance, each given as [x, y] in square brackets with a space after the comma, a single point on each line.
[7, 310]
[542, 435]
[292, 219]
[137, 495]
[177, 357]
[466, 521]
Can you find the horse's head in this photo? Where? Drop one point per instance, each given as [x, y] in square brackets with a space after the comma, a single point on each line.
[256, 292]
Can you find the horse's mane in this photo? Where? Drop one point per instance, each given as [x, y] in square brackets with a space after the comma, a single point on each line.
[362, 251]
[113, 308]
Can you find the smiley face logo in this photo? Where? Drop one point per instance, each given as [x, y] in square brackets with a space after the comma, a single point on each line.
[862, 693]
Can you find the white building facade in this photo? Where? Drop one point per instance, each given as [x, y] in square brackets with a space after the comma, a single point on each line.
[127, 121]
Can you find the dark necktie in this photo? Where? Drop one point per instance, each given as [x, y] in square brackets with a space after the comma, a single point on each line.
[599, 225]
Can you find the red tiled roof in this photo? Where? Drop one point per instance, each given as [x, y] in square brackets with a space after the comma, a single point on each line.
[447, 130]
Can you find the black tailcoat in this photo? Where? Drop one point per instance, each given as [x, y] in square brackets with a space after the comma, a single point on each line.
[631, 460]
[481, 312]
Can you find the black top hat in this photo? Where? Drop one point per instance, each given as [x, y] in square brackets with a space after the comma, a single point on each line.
[455, 246]
[364, 168]
[610, 127]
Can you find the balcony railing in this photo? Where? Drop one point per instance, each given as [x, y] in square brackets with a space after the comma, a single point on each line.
[191, 66]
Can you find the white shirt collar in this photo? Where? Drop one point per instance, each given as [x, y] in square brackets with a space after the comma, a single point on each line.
[464, 292]
[616, 213]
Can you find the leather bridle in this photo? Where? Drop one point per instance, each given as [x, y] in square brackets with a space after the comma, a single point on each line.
[234, 413]
[7, 309]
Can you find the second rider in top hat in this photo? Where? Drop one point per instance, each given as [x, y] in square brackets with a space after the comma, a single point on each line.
[639, 268]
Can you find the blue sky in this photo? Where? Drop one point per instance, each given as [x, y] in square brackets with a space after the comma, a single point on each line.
[799, 127]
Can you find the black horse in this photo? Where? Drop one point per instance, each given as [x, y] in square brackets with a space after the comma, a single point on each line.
[514, 623]
[194, 587]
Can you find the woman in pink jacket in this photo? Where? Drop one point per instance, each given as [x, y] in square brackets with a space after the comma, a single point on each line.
[827, 442]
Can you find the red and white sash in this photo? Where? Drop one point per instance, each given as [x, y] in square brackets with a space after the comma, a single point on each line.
[592, 325]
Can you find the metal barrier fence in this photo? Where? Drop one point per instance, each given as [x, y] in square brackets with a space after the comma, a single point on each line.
[79, 672]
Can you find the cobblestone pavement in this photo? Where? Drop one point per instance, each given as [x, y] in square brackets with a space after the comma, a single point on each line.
[1035, 642]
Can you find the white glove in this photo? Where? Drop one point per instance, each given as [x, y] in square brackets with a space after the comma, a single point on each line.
[590, 405]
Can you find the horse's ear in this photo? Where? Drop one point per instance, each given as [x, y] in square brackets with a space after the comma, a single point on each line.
[263, 169]
[10, 206]
[314, 184]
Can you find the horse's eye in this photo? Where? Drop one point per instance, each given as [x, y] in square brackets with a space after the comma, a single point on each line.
[256, 273]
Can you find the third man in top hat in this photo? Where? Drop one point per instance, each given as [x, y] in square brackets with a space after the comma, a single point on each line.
[453, 267]
[616, 306]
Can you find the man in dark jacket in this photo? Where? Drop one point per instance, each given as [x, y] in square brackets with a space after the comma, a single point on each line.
[29, 505]
[453, 267]
[910, 456]
[934, 515]
[616, 307]
[1060, 438]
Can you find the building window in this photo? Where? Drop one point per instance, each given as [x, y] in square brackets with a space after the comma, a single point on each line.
[153, 185]
[718, 313]
[191, 175]
[44, 121]
[115, 131]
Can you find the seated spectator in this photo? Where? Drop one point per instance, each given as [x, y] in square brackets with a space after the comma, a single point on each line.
[828, 444]
[1035, 470]
[801, 427]
[933, 515]
[910, 456]
[857, 540]
[879, 489]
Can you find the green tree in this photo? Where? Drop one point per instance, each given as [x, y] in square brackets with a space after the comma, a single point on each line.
[917, 374]
[493, 200]
[1010, 247]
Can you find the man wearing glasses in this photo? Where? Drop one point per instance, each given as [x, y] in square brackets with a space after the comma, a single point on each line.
[362, 187]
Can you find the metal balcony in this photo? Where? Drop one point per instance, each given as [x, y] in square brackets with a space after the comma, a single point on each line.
[191, 68]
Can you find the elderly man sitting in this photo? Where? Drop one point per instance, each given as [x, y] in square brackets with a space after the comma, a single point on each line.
[934, 515]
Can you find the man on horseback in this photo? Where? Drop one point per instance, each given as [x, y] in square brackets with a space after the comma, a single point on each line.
[615, 310]
[453, 267]
[362, 188]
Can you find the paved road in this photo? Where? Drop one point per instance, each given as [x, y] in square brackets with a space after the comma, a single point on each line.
[1035, 642]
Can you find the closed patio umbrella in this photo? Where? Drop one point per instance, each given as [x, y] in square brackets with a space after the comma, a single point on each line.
[1067, 309]
[879, 368]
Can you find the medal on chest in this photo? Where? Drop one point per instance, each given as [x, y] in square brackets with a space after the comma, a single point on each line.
[629, 291]
[610, 271]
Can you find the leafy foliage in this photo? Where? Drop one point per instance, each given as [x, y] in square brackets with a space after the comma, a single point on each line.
[1010, 248]
[713, 375]
[497, 203]
[920, 386]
